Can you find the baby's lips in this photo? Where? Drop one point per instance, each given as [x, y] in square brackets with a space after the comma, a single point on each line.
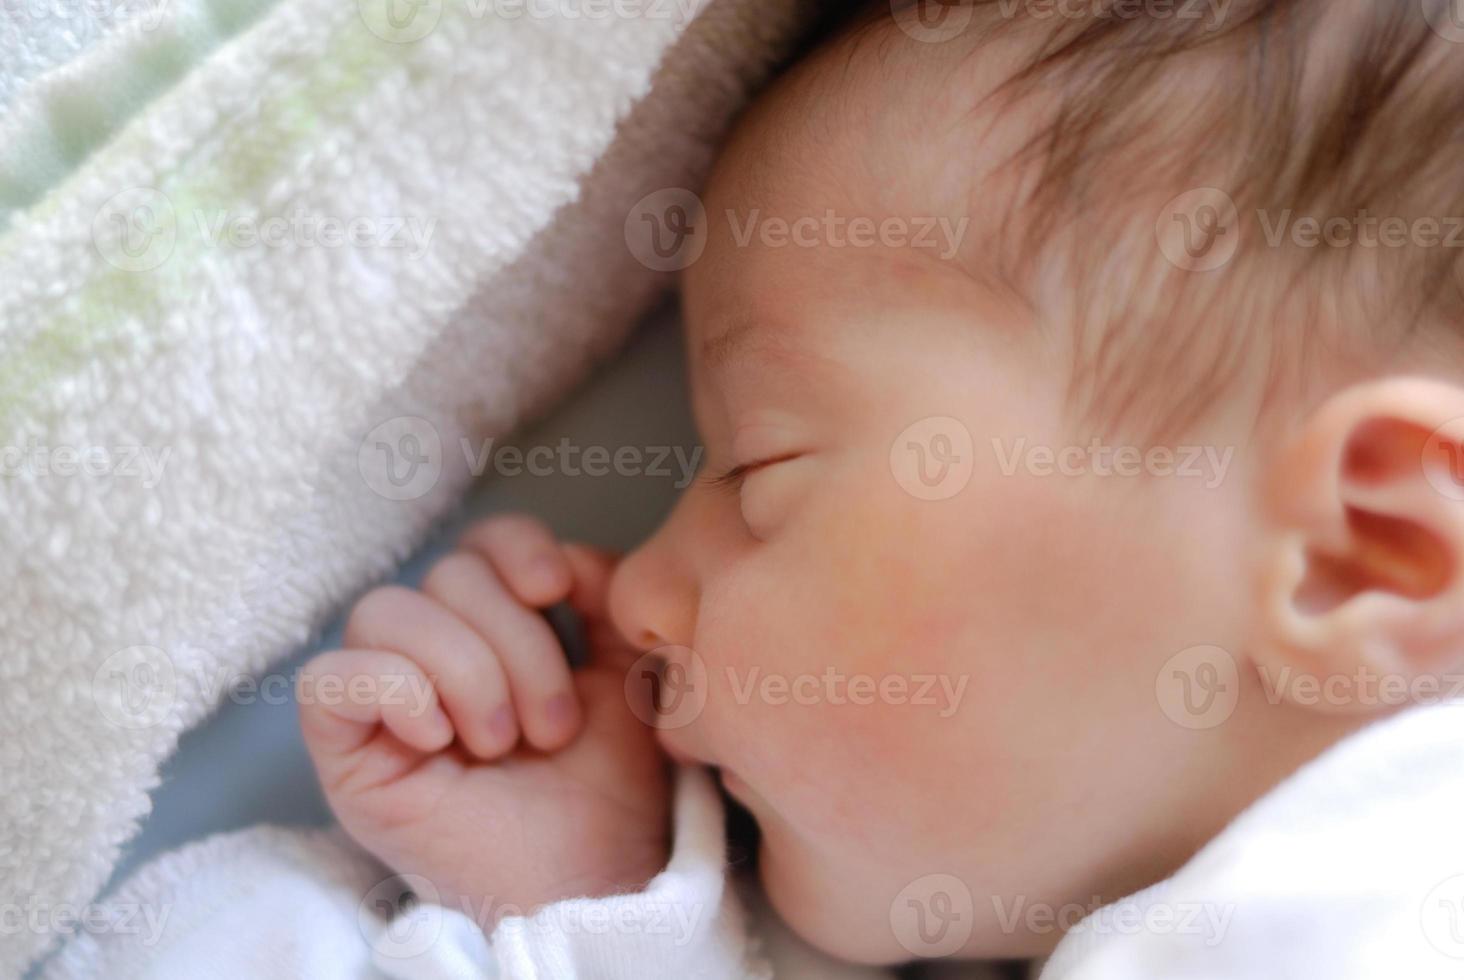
[734, 784]
[680, 754]
[675, 754]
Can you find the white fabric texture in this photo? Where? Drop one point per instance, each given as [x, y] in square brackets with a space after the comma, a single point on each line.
[37, 36]
[57, 107]
[269, 903]
[1351, 869]
[248, 385]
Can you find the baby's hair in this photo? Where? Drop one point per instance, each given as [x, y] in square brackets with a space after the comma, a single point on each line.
[1348, 110]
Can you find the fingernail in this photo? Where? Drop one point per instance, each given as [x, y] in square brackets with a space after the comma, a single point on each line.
[547, 571]
[503, 725]
[439, 724]
[569, 631]
[562, 711]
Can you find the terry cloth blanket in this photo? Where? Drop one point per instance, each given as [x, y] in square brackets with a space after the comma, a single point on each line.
[219, 418]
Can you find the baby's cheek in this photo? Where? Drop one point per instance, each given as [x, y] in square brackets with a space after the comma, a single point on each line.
[832, 898]
[838, 647]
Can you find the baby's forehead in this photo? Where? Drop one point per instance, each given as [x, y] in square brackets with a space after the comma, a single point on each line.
[874, 119]
[874, 137]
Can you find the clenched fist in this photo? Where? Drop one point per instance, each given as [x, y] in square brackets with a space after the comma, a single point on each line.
[463, 749]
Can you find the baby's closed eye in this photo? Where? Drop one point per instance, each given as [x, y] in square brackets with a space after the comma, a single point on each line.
[769, 491]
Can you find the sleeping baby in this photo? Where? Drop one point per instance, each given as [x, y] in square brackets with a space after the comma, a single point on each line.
[1081, 582]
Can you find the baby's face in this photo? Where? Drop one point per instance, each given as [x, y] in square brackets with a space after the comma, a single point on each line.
[928, 650]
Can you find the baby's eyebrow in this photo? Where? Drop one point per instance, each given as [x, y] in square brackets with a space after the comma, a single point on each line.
[767, 342]
[756, 336]
[717, 352]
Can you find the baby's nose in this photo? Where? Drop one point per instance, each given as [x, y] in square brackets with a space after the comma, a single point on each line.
[652, 599]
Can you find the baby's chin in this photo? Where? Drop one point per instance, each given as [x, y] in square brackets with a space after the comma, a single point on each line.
[825, 913]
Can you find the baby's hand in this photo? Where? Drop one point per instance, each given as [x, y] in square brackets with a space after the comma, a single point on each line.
[453, 741]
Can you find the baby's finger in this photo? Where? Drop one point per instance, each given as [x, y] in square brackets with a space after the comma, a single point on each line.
[347, 696]
[464, 671]
[592, 569]
[538, 674]
[525, 554]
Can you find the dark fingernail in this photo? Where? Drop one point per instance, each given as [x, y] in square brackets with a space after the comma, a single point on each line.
[570, 633]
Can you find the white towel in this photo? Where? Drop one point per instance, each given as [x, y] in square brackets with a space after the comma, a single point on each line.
[206, 447]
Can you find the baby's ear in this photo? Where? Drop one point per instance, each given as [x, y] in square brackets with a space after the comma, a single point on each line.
[1363, 580]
